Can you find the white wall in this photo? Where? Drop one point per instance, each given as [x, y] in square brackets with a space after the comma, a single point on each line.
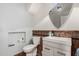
[40, 10]
[72, 22]
[45, 24]
[13, 17]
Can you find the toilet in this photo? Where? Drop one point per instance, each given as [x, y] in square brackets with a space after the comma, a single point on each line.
[31, 49]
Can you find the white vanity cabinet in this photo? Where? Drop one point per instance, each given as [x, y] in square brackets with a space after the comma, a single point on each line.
[52, 47]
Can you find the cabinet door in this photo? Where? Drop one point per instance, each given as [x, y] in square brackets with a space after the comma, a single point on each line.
[58, 52]
[47, 50]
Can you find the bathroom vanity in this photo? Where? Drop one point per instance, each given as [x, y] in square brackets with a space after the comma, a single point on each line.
[74, 35]
[56, 46]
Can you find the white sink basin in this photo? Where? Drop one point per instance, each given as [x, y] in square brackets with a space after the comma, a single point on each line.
[29, 48]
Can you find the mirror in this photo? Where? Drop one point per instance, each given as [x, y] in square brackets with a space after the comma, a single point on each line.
[60, 11]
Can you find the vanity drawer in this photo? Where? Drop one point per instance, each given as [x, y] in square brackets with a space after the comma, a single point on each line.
[57, 45]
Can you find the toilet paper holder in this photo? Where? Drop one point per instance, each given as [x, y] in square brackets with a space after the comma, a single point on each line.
[10, 45]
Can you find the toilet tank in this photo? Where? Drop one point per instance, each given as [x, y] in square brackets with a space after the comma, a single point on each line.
[36, 40]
